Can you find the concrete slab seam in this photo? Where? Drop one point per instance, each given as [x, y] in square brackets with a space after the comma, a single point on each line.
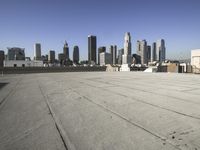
[66, 141]
[127, 120]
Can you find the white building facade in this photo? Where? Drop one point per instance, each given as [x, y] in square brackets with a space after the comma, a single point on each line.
[22, 63]
[195, 60]
[127, 49]
[126, 57]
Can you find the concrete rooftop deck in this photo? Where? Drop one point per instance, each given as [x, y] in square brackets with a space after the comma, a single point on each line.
[100, 111]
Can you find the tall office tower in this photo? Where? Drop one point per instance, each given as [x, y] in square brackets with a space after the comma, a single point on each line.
[105, 58]
[160, 50]
[148, 53]
[111, 52]
[66, 51]
[76, 55]
[100, 50]
[142, 51]
[153, 52]
[16, 53]
[92, 44]
[2, 57]
[126, 58]
[114, 55]
[136, 59]
[61, 58]
[127, 43]
[51, 56]
[37, 51]
[120, 53]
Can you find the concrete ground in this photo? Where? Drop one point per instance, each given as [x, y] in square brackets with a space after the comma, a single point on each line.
[100, 111]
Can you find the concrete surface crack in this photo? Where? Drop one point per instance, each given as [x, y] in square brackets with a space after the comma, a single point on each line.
[52, 115]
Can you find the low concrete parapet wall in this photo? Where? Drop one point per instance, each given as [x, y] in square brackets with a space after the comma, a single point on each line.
[21, 70]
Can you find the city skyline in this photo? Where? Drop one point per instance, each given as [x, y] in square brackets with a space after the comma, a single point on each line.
[50, 24]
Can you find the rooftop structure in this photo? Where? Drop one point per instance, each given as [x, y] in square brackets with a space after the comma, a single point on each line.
[195, 60]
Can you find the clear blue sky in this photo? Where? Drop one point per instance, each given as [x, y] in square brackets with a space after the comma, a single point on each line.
[50, 22]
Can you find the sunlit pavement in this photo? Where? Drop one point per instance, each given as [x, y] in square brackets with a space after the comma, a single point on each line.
[100, 110]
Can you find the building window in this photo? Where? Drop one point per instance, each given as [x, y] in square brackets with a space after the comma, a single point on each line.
[23, 65]
[15, 65]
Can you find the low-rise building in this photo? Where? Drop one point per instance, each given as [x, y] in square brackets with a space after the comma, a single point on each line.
[112, 68]
[195, 60]
[22, 63]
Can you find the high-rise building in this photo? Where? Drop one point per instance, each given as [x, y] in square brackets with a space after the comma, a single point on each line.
[127, 43]
[16, 53]
[76, 55]
[142, 51]
[44, 58]
[160, 50]
[114, 55]
[100, 50]
[105, 58]
[113, 51]
[126, 58]
[61, 58]
[153, 52]
[148, 53]
[51, 56]
[66, 51]
[37, 51]
[2, 57]
[92, 44]
[136, 59]
[120, 53]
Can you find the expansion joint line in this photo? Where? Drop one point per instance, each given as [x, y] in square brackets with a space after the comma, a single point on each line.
[127, 120]
[144, 102]
[58, 126]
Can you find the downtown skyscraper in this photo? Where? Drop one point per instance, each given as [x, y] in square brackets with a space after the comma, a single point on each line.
[76, 54]
[92, 45]
[160, 50]
[66, 51]
[113, 51]
[142, 51]
[126, 58]
[37, 51]
[153, 52]
[100, 50]
[127, 43]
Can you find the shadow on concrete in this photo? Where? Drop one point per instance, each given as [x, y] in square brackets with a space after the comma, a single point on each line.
[2, 85]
